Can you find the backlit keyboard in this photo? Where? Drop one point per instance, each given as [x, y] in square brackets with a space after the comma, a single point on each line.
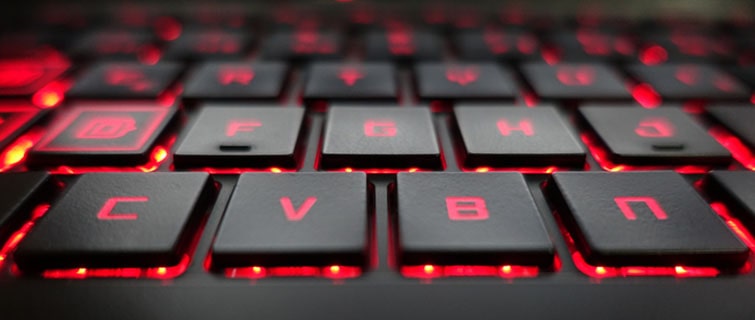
[358, 162]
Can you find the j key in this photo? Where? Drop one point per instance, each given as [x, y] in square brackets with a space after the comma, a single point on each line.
[642, 219]
[16, 119]
[737, 119]
[587, 44]
[690, 46]
[130, 220]
[125, 81]
[691, 81]
[746, 74]
[576, 81]
[335, 81]
[403, 45]
[227, 81]
[464, 81]
[242, 136]
[516, 137]
[113, 134]
[19, 193]
[299, 45]
[297, 219]
[496, 43]
[469, 219]
[380, 137]
[25, 76]
[667, 136]
[118, 45]
[208, 45]
[735, 190]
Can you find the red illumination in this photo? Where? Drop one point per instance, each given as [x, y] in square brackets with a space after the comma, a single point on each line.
[168, 28]
[689, 75]
[243, 170]
[496, 41]
[350, 76]
[307, 41]
[725, 83]
[106, 212]
[27, 75]
[169, 272]
[734, 224]
[524, 126]
[429, 271]
[646, 96]
[576, 76]
[134, 79]
[462, 75]
[654, 128]
[236, 126]
[379, 170]
[466, 208]
[17, 236]
[653, 55]
[400, 41]
[624, 204]
[524, 170]
[51, 95]
[294, 214]
[17, 151]
[335, 272]
[14, 117]
[380, 128]
[229, 75]
[158, 156]
[107, 127]
[736, 147]
[216, 43]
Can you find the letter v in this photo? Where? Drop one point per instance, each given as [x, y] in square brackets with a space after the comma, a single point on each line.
[293, 214]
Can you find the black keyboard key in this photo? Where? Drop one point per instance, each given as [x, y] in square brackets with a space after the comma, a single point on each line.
[242, 136]
[438, 81]
[642, 219]
[737, 119]
[380, 137]
[208, 45]
[587, 44]
[16, 119]
[734, 189]
[125, 81]
[25, 76]
[113, 45]
[403, 45]
[228, 81]
[584, 81]
[102, 135]
[19, 193]
[691, 81]
[513, 137]
[130, 220]
[469, 219]
[663, 136]
[302, 45]
[496, 43]
[335, 81]
[297, 219]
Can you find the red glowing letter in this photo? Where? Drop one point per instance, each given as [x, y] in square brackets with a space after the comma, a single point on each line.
[466, 208]
[350, 76]
[576, 76]
[654, 128]
[380, 128]
[106, 213]
[133, 79]
[524, 125]
[652, 204]
[462, 76]
[236, 126]
[293, 214]
[106, 128]
[688, 75]
[227, 76]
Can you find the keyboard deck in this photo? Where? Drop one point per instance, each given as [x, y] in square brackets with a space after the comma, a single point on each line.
[443, 164]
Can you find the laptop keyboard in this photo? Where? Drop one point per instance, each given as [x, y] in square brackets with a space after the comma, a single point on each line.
[156, 145]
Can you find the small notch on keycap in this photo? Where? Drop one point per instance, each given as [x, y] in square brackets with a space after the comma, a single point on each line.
[668, 146]
[235, 147]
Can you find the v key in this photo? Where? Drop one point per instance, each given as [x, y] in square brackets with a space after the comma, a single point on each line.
[293, 214]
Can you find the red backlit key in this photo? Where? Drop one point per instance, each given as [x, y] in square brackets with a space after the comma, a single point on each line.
[228, 81]
[379, 137]
[469, 219]
[24, 77]
[663, 136]
[496, 43]
[294, 219]
[102, 134]
[242, 136]
[516, 137]
[587, 44]
[19, 194]
[734, 189]
[438, 81]
[124, 81]
[642, 219]
[581, 81]
[737, 119]
[302, 45]
[113, 44]
[335, 81]
[15, 119]
[691, 81]
[129, 219]
[403, 45]
[208, 45]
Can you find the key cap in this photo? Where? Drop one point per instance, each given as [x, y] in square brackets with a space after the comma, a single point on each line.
[335, 81]
[22, 77]
[302, 45]
[496, 43]
[403, 44]
[242, 136]
[509, 136]
[208, 45]
[690, 45]
[113, 134]
[379, 137]
[737, 119]
[438, 81]
[663, 136]
[130, 220]
[734, 189]
[589, 44]
[124, 81]
[746, 74]
[642, 219]
[225, 81]
[469, 219]
[112, 44]
[576, 81]
[690, 81]
[300, 219]
[19, 193]
[15, 119]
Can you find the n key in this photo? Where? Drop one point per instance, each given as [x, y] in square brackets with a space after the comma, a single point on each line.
[296, 219]
[125, 81]
[642, 219]
[130, 220]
